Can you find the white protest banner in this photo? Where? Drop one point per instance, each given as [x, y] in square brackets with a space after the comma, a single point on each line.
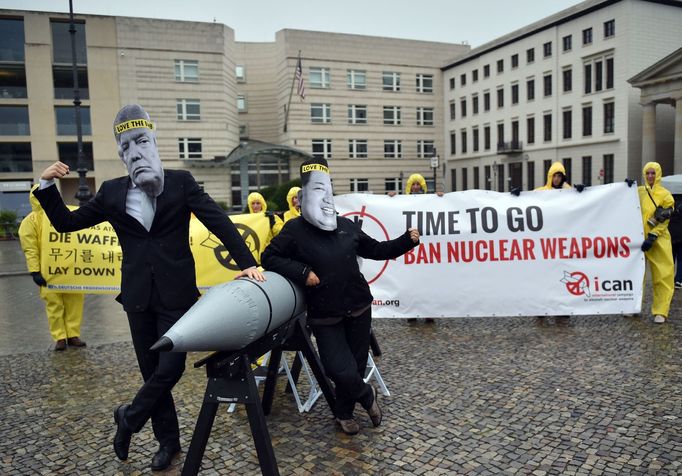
[483, 253]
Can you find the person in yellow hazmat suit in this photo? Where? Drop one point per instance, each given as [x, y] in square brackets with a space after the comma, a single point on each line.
[556, 178]
[294, 206]
[257, 204]
[64, 310]
[657, 205]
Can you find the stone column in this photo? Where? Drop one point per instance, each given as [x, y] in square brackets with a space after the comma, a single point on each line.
[677, 163]
[649, 133]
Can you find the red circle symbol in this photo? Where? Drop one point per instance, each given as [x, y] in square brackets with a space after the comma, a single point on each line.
[577, 287]
[362, 214]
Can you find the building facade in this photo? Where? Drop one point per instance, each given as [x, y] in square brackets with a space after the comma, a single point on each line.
[557, 90]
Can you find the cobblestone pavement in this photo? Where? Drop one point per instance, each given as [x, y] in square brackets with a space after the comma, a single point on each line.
[581, 395]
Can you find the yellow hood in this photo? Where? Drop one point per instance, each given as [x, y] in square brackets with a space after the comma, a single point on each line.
[557, 167]
[255, 196]
[35, 204]
[418, 179]
[293, 191]
[659, 173]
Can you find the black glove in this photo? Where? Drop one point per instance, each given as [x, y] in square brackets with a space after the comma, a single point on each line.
[580, 187]
[649, 242]
[630, 182]
[38, 278]
[516, 191]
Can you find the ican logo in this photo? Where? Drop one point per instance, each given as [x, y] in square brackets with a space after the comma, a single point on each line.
[579, 284]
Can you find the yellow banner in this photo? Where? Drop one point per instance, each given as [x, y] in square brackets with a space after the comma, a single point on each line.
[89, 261]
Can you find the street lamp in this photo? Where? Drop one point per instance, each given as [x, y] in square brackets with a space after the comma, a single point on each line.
[434, 166]
[83, 195]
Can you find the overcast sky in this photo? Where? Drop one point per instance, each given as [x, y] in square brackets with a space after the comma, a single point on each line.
[450, 21]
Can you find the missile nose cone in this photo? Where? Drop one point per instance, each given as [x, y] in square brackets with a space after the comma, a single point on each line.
[163, 345]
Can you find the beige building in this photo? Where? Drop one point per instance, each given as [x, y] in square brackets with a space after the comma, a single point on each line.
[372, 108]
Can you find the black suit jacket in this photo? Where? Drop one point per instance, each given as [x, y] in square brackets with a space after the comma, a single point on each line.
[161, 254]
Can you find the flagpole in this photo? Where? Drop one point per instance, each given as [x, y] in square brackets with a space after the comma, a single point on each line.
[291, 93]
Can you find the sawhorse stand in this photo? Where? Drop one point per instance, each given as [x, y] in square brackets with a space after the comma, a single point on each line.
[231, 380]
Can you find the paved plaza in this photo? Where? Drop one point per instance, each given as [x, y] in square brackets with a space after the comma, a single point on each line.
[522, 395]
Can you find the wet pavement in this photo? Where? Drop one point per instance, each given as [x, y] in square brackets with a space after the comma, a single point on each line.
[522, 395]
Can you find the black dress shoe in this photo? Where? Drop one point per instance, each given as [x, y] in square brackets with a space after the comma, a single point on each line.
[162, 459]
[123, 434]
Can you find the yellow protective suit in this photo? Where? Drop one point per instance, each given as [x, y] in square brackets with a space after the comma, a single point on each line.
[555, 167]
[64, 310]
[293, 212]
[276, 223]
[659, 257]
[418, 179]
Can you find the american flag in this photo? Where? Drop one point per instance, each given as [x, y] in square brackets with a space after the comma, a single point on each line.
[300, 86]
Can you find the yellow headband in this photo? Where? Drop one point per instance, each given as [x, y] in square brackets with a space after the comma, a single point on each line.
[133, 124]
[314, 167]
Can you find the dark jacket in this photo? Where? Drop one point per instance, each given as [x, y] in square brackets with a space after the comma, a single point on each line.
[161, 254]
[332, 255]
[675, 223]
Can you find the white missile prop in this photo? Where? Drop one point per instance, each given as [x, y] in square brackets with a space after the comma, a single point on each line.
[232, 315]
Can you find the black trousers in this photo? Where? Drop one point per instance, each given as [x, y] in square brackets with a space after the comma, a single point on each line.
[160, 371]
[343, 349]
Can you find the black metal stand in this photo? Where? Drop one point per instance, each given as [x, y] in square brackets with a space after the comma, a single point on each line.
[231, 380]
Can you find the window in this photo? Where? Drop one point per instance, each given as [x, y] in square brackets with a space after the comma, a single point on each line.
[567, 75]
[391, 81]
[358, 185]
[588, 78]
[356, 79]
[609, 73]
[474, 138]
[567, 42]
[357, 114]
[424, 116]
[486, 70]
[587, 36]
[190, 109]
[321, 113]
[609, 117]
[66, 120]
[500, 98]
[487, 177]
[474, 104]
[547, 84]
[239, 73]
[465, 179]
[357, 148]
[68, 153]
[14, 121]
[530, 130]
[452, 109]
[477, 178]
[393, 185]
[15, 157]
[13, 41]
[243, 131]
[500, 134]
[453, 179]
[609, 28]
[393, 149]
[453, 143]
[547, 49]
[319, 78]
[547, 130]
[187, 71]
[547, 165]
[322, 148]
[13, 80]
[515, 132]
[62, 79]
[424, 149]
[530, 55]
[463, 79]
[587, 170]
[474, 76]
[530, 89]
[486, 137]
[463, 141]
[424, 83]
[515, 61]
[463, 107]
[515, 93]
[392, 115]
[500, 66]
[530, 179]
[587, 121]
[452, 83]
[500, 178]
[567, 162]
[189, 148]
[567, 117]
[61, 43]
[242, 105]
[599, 73]
[486, 101]
[608, 168]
